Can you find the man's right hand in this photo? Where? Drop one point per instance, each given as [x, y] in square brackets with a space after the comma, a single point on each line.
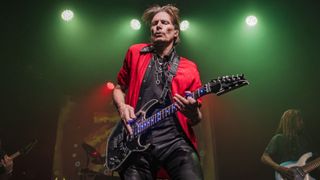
[127, 114]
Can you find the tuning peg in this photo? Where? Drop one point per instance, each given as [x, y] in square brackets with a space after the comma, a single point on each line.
[236, 77]
[229, 78]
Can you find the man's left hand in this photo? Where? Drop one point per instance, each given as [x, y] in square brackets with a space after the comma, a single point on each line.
[189, 107]
[7, 163]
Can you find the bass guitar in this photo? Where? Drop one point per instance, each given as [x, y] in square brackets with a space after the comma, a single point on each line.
[120, 144]
[300, 168]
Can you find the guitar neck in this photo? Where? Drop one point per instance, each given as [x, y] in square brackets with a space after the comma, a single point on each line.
[168, 111]
[15, 155]
[311, 165]
[217, 86]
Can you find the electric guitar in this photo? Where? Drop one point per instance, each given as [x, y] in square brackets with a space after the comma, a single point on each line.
[120, 144]
[300, 168]
[22, 151]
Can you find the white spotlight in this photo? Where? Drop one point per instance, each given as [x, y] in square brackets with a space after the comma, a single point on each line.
[67, 15]
[184, 25]
[135, 24]
[251, 20]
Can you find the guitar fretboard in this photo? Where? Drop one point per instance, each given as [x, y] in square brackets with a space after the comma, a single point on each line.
[311, 165]
[140, 127]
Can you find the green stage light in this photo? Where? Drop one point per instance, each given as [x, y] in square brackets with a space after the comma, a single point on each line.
[251, 20]
[135, 24]
[67, 15]
[184, 25]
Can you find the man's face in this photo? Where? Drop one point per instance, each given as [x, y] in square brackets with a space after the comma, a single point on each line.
[162, 29]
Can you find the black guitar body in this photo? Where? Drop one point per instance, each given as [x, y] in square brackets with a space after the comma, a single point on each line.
[121, 145]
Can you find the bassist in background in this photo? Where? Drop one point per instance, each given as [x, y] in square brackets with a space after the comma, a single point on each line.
[288, 144]
[145, 75]
[6, 165]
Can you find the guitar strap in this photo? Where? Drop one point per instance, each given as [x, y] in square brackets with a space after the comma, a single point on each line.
[175, 59]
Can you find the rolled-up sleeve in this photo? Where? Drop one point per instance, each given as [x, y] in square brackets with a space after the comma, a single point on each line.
[123, 77]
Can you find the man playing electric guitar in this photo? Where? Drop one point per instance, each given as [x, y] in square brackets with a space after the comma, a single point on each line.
[155, 71]
[287, 146]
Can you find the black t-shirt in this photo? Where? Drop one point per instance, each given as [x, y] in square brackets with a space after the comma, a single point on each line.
[282, 149]
[167, 130]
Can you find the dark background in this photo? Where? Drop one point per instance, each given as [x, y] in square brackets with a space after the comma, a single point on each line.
[43, 60]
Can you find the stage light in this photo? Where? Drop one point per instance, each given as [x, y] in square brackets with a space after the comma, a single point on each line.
[135, 24]
[251, 20]
[107, 88]
[110, 85]
[184, 25]
[67, 15]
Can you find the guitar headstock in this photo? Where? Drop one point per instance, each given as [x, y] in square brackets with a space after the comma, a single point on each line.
[225, 84]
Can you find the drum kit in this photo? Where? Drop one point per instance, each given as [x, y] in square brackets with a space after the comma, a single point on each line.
[95, 158]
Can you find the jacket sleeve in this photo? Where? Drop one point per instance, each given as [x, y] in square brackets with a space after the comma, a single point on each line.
[123, 77]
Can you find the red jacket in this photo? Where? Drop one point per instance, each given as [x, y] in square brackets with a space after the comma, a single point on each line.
[132, 73]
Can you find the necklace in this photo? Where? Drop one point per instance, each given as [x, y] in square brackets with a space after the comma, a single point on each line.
[160, 67]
